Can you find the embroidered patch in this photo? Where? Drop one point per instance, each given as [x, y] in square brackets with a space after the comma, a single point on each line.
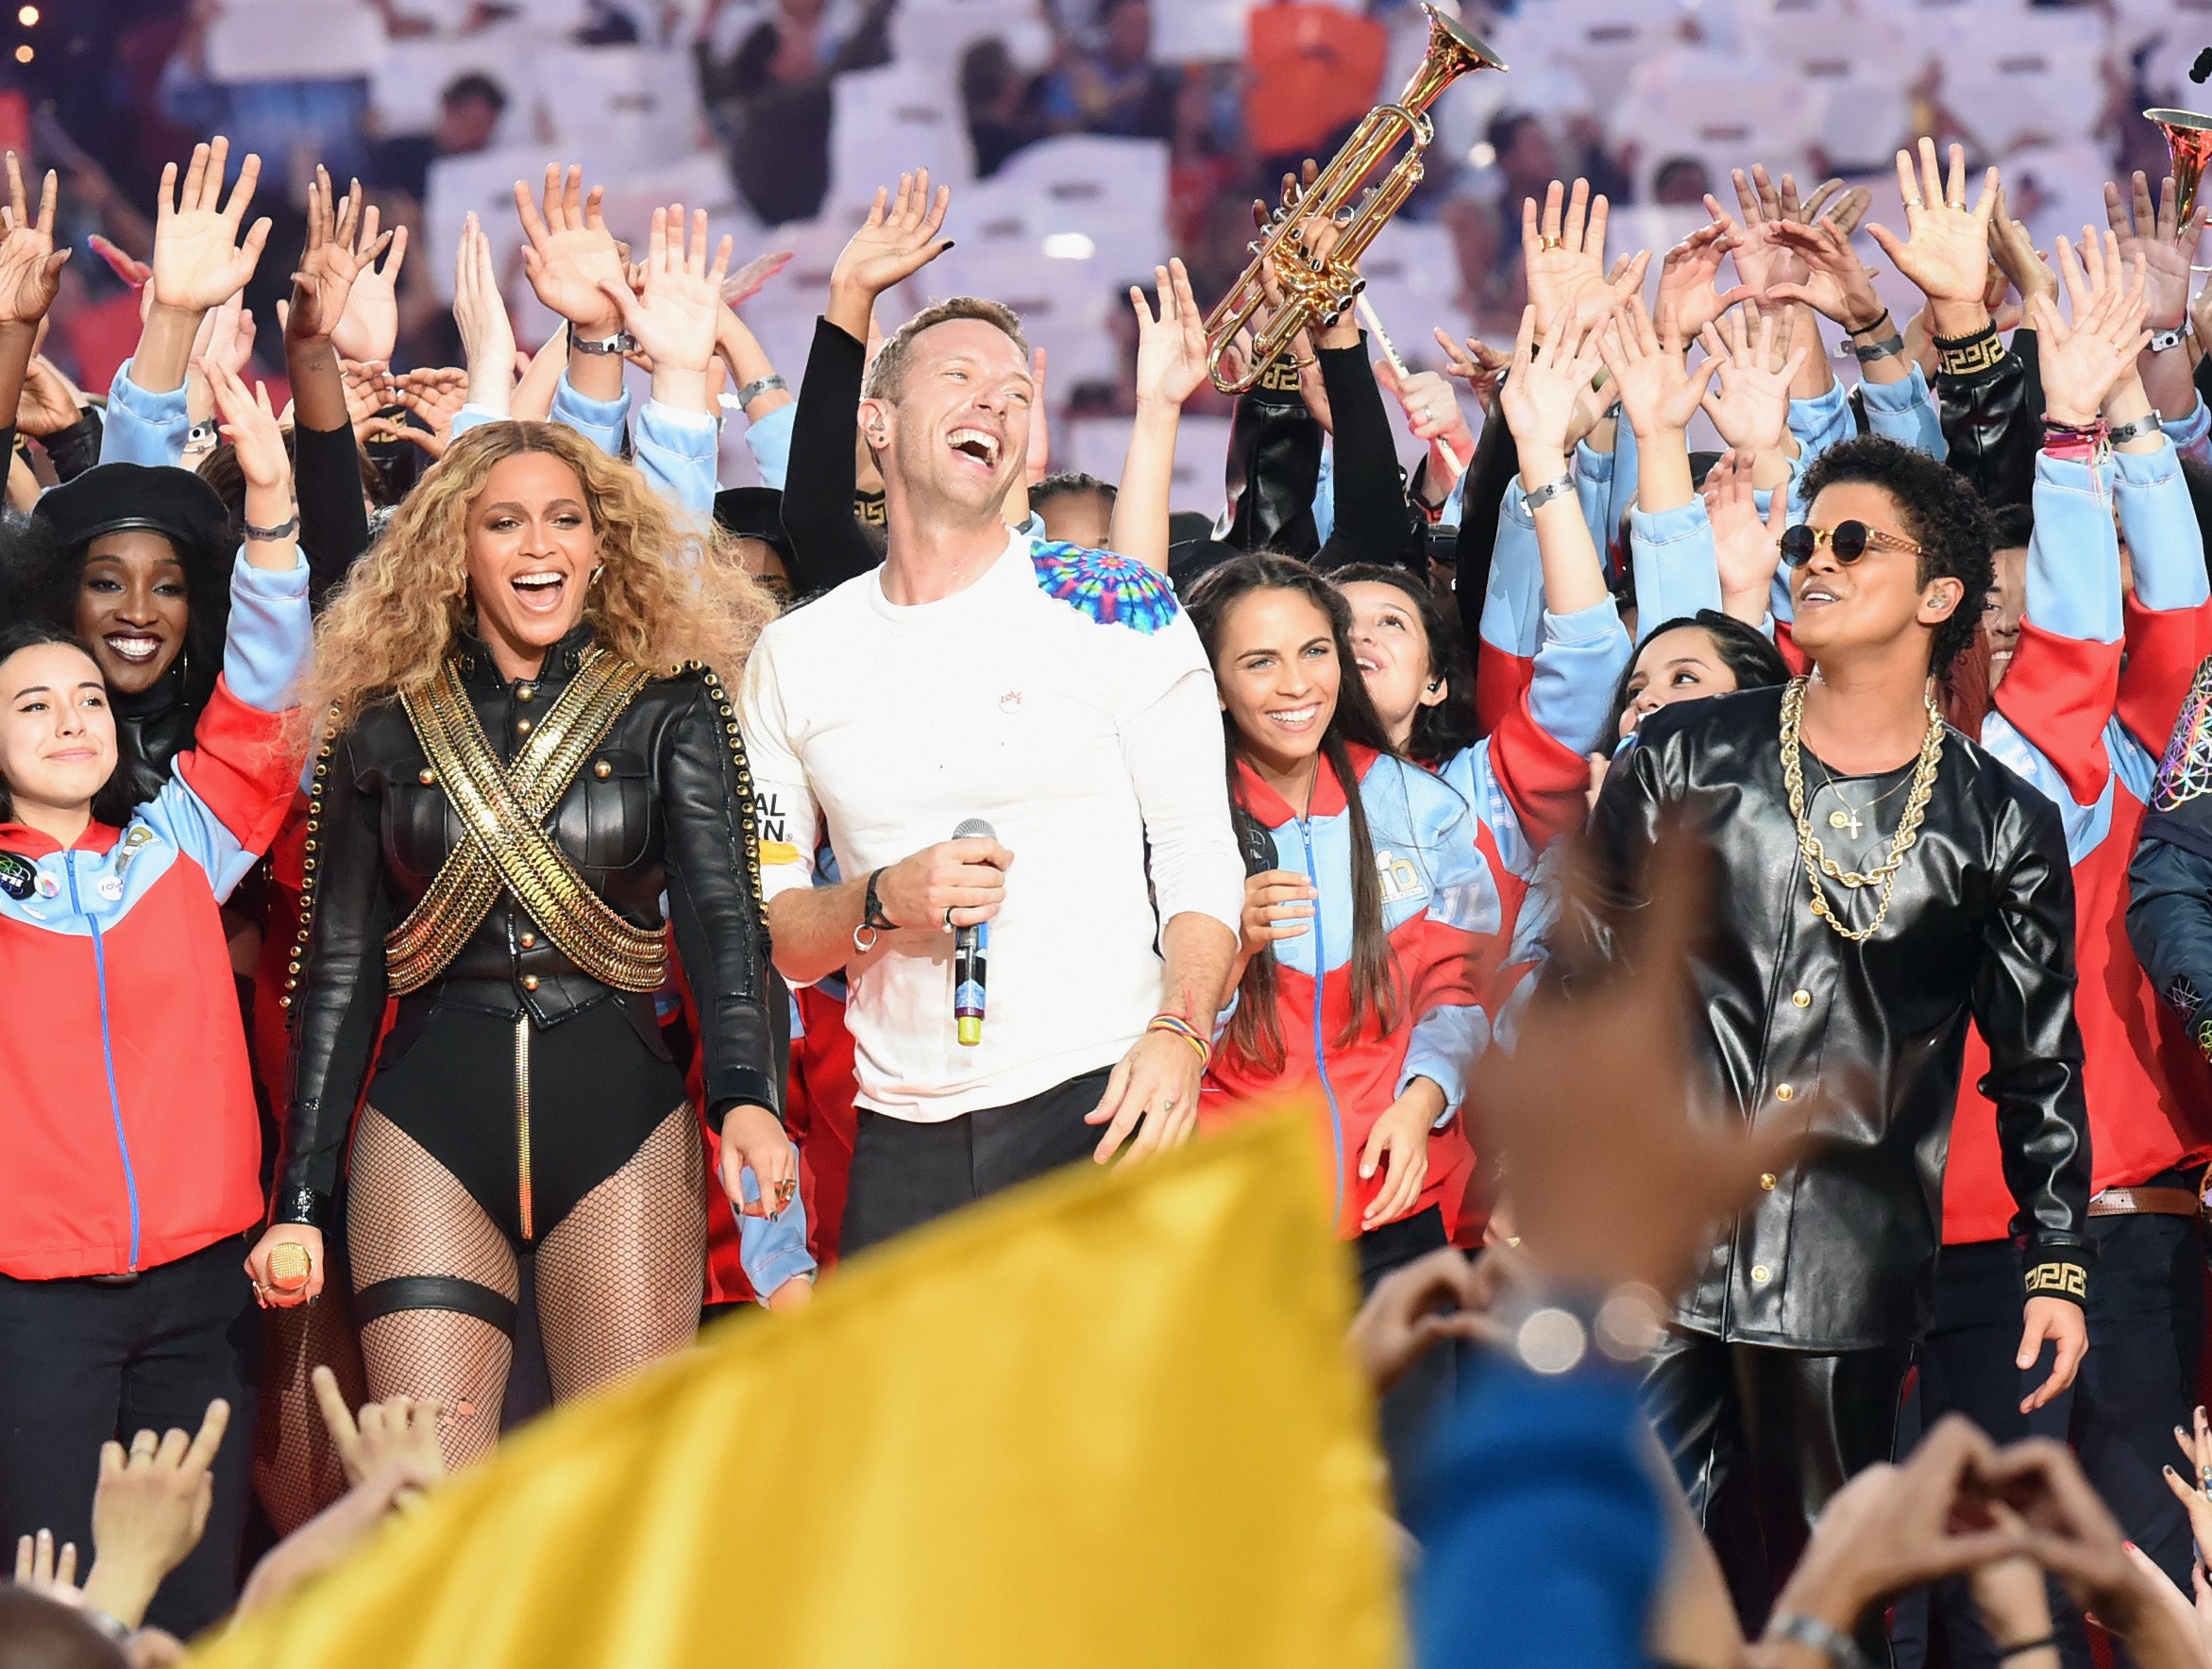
[1401, 880]
[17, 876]
[1111, 589]
[2187, 769]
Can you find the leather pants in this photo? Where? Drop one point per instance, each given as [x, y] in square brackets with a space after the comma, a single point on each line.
[1760, 1438]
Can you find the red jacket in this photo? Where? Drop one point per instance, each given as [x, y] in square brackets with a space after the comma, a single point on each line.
[127, 1109]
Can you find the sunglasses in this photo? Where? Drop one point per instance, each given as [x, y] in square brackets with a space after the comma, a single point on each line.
[1848, 539]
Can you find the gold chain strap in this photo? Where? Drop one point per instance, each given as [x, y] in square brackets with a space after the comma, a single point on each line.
[1817, 860]
[312, 859]
[749, 834]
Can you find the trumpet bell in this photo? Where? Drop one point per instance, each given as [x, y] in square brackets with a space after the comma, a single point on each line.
[2189, 142]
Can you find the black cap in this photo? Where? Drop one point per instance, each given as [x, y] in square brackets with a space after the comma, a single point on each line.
[753, 513]
[110, 498]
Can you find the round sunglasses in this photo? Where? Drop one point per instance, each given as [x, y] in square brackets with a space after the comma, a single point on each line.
[1849, 540]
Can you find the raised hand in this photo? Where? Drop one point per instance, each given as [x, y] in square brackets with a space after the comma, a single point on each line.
[341, 241]
[1477, 365]
[248, 422]
[897, 240]
[1564, 255]
[370, 388]
[1946, 251]
[1432, 411]
[1752, 406]
[1170, 346]
[2083, 361]
[571, 256]
[198, 256]
[1688, 298]
[676, 317]
[2165, 246]
[2195, 1494]
[1540, 397]
[436, 395]
[30, 266]
[480, 311]
[1658, 392]
[369, 326]
[1762, 260]
[43, 1568]
[148, 1512]
[1837, 284]
[2017, 257]
[50, 402]
[1746, 548]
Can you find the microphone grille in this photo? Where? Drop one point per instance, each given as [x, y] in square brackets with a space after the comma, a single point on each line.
[974, 829]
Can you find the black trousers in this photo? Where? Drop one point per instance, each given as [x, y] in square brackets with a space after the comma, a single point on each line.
[1762, 1438]
[1410, 1408]
[1968, 1366]
[81, 1363]
[905, 1174]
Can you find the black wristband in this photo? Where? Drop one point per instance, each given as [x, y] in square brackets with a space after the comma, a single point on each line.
[1969, 356]
[1880, 319]
[300, 1205]
[2053, 1276]
[871, 912]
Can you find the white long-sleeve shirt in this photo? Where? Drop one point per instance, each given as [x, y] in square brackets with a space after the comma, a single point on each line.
[1078, 738]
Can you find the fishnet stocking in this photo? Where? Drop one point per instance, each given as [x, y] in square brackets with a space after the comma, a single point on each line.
[620, 1280]
[409, 1216]
[295, 1467]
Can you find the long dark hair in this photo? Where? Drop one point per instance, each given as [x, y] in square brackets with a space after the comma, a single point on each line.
[1743, 650]
[126, 785]
[1256, 1029]
[1444, 730]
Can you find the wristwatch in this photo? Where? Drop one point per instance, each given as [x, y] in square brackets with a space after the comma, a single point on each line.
[201, 436]
[621, 341]
[2166, 341]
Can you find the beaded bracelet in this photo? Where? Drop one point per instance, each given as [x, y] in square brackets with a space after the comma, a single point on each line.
[1189, 1032]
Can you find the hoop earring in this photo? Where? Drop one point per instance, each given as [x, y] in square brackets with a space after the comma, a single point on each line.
[596, 569]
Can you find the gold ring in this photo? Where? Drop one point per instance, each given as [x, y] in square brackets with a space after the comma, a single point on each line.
[1542, 242]
[787, 1186]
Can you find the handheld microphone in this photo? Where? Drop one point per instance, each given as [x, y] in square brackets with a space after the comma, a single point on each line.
[971, 950]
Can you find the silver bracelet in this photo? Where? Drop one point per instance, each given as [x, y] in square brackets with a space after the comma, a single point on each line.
[760, 385]
[2166, 341]
[621, 341]
[1547, 493]
[1833, 1644]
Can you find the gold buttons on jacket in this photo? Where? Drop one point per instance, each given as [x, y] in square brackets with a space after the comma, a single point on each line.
[425, 776]
[602, 770]
[1767, 1179]
[1784, 1092]
[522, 727]
[528, 941]
[524, 692]
[529, 982]
[1760, 1272]
[1801, 999]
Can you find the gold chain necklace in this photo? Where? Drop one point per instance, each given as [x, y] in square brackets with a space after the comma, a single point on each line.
[1848, 816]
[1816, 861]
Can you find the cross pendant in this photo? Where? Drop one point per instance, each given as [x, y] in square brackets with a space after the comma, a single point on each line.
[1846, 820]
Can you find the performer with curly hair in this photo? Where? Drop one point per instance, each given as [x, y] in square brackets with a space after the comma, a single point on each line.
[528, 742]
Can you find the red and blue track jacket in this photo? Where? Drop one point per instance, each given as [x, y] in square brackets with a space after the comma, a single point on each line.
[2090, 699]
[1439, 902]
[127, 1109]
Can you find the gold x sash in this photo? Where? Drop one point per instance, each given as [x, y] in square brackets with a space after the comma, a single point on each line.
[503, 811]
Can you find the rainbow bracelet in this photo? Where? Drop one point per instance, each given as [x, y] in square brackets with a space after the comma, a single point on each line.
[1189, 1032]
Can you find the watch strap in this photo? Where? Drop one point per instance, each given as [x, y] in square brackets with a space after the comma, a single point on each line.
[1547, 493]
[2137, 429]
[760, 385]
[2166, 341]
[621, 341]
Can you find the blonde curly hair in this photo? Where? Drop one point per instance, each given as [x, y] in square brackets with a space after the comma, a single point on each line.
[664, 595]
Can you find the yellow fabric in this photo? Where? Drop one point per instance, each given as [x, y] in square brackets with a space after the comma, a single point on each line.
[1108, 1420]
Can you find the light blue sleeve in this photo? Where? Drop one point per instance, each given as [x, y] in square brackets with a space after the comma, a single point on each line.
[2193, 435]
[1581, 659]
[1821, 421]
[265, 649]
[1671, 554]
[2164, 537]
[2074, 555]
[771, 1250]
[2086, 826]
[1512, 607]
[1626, 468]
[471, 416]
[142, 428]
[1324, 494]
[677, 450]
[1905, 412]
[769, 442]
[1594, 488]
[602, 422]
[1463, 894]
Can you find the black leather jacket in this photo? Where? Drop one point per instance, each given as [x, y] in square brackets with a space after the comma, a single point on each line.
[1865, 1039]
[160, 723]
[1993, 423]
[658, 808]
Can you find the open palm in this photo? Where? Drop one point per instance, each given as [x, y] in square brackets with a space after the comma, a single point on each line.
[675, 317]
[198, 256]
[30, 270]
[369, 328]
[1946, 251]
[898, 239]
[570, 253]
[1170, 350]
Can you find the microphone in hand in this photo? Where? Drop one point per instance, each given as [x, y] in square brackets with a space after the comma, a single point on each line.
[971, 954]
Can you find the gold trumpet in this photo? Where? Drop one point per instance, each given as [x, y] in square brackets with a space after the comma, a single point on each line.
[2189, 142]
[1313, 289]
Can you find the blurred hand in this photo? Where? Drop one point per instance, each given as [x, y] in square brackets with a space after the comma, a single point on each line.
[1477, 365]
[400, 1435]
[1688, 298]
[50, 402]
[2081, 362]
[148, 1512]
[1432, 411]
[1564, 255]
[2165, 247]
[2016, 255]
[198, 256]
[43, 1569]
[1443, 1295]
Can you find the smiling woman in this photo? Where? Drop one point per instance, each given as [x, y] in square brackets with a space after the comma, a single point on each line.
[531, 780]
